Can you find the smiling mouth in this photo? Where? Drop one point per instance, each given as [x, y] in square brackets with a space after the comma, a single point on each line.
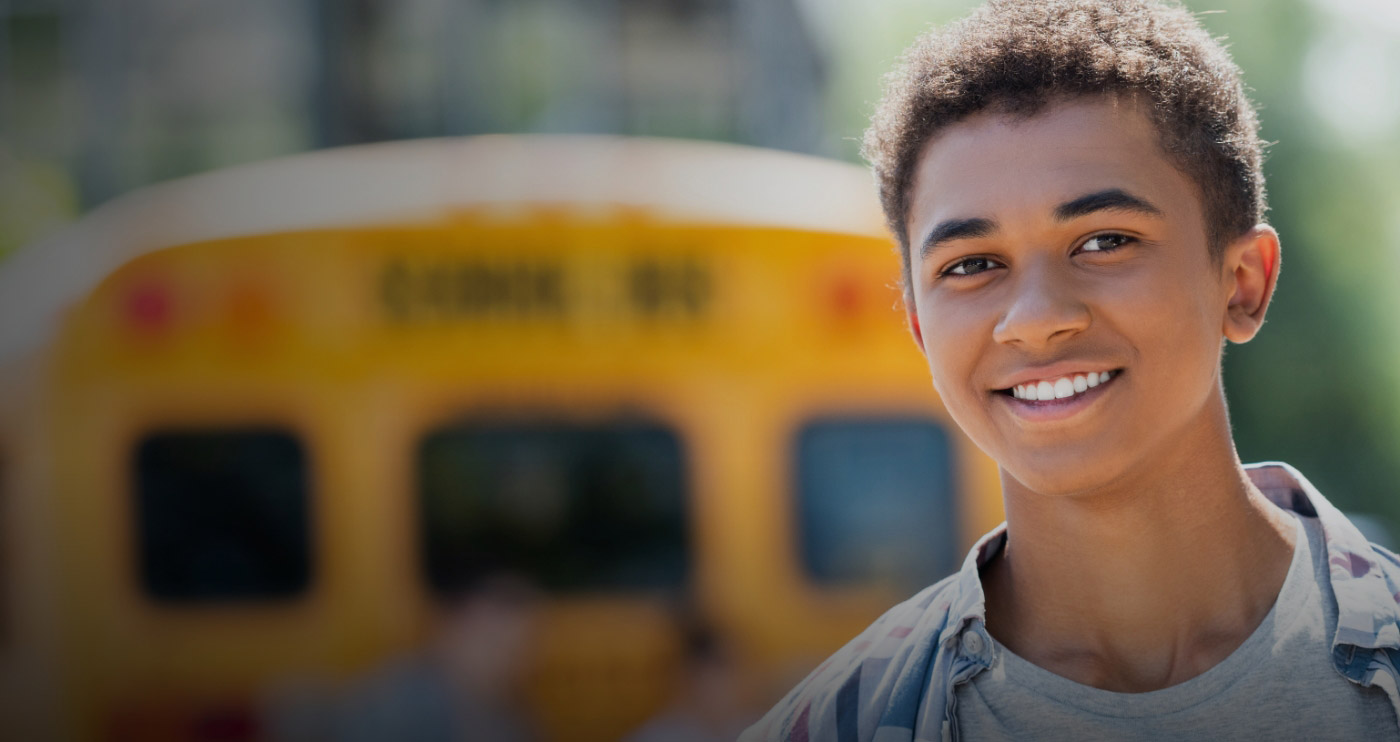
[1060, 388]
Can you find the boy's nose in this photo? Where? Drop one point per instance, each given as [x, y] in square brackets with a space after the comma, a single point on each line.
[1044, 308]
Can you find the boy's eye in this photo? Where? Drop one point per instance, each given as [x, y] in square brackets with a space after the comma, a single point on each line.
[1105, 242]
[970, 266]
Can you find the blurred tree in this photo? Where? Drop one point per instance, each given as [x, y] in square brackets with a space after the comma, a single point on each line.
[1319, 387]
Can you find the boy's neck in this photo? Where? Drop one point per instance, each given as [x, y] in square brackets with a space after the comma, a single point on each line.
[1147, 582]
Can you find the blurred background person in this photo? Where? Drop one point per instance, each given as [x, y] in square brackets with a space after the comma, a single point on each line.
[466, 684]
[711, 703]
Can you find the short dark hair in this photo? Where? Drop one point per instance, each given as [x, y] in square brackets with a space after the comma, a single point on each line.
[1017, 56]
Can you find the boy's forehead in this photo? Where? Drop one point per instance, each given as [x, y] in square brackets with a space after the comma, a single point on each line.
[997, 164]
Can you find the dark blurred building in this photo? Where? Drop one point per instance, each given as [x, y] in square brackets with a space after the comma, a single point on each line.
[121, 93]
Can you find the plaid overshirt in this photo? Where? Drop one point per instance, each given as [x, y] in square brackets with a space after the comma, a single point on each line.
[897, 680]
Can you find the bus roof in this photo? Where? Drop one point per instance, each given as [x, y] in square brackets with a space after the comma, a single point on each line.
[421, 181]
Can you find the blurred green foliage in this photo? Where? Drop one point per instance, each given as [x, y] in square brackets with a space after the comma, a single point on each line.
[1319, 387]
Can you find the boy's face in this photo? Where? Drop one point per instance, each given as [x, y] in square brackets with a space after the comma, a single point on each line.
[1058, 249]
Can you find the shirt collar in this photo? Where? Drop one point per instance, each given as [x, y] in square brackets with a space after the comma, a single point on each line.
[1367, 612]
[1366, 598]
[968, 603]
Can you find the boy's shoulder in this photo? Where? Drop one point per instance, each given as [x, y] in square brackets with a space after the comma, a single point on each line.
[875, 686]
[1364, 577]
[891, 682]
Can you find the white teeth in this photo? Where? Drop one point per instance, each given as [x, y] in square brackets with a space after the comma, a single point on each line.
[1065, 386]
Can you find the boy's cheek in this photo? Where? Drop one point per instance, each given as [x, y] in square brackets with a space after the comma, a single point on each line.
[966, 405]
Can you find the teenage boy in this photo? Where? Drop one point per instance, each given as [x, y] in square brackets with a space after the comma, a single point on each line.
[1075, 186]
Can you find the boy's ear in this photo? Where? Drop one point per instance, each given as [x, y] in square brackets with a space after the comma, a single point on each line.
[914, 328]
[1251, 263]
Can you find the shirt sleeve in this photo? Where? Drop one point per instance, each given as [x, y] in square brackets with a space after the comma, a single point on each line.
[860, 688]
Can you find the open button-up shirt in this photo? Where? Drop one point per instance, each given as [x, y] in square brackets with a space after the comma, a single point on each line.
[896, 681]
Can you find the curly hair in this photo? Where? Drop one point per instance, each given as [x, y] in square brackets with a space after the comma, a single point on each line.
[1016, 56]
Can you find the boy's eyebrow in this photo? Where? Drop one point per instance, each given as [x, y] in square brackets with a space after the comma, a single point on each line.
[1108, 199]
[956, 229]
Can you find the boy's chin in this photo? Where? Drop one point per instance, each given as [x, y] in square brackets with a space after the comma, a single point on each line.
[1060, 476]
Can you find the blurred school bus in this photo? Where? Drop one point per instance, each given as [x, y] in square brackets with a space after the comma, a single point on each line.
[258, 425]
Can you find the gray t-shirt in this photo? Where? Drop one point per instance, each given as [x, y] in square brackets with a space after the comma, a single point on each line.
[1279, 684]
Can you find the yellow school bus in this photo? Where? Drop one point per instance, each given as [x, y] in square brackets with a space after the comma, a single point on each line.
[254, 423]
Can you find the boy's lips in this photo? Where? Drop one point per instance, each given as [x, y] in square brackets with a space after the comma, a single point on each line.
[1055, 391]
[1068, 400]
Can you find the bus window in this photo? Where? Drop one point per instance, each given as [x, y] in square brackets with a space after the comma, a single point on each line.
[569, 507]
[222, 515]
[875, 501]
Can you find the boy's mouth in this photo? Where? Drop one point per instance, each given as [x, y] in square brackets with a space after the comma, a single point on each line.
[1061, 387]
